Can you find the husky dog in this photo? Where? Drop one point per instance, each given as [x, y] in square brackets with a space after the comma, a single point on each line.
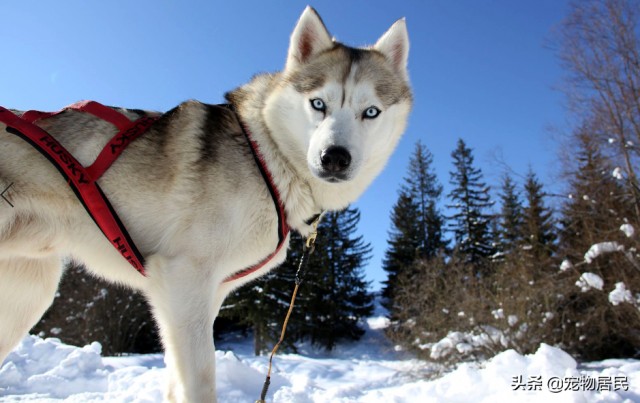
[190, 194]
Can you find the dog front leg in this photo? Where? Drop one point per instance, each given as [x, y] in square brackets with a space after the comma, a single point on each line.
[182, 296]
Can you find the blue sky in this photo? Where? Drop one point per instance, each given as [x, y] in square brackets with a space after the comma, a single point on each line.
[481, 70]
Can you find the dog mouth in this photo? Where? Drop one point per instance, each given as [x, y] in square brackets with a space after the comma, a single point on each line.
[333, 177]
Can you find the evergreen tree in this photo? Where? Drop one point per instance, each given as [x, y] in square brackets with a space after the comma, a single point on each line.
[511, 216]
[403, 244]
[597, 203]
[88, 309]
[259, 306]
[416, 231]
[425, 190]
[539, 228]
[334, 295]
[470, 198]
[331, 301]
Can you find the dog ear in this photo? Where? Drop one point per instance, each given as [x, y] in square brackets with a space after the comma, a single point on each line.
[394, 45]
[309, 38]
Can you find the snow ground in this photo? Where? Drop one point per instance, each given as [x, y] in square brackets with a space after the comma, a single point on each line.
[45, 370]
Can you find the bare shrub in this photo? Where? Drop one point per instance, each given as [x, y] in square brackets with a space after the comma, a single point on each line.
[445, 313]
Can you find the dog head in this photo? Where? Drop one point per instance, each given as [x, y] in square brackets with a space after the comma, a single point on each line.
[338, 111]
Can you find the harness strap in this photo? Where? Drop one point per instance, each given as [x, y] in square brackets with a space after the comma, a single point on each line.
[120, 121]
[127, 131]
[83, 180]
[283, 227]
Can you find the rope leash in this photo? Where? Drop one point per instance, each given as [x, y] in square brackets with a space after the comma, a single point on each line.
[300, 273]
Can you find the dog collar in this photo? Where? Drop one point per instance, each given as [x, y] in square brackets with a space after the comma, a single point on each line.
[313, 218]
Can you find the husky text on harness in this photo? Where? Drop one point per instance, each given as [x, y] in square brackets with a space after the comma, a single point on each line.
[83, 180]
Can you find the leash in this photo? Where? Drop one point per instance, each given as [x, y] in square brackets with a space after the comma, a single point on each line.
[308, 249]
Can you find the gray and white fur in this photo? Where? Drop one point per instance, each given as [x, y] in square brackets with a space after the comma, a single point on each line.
[191, 195]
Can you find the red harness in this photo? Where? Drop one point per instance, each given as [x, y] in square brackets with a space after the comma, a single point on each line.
[83, 180]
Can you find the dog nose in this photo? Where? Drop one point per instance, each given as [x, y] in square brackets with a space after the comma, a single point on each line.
[335, 159]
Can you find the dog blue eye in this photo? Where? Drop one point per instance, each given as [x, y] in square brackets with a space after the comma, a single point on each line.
[371, 113]
[318, 104]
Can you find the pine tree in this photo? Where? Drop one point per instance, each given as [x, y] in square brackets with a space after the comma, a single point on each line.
[470, 197]
[334, 296]
[597, 203]
[511, 217]
[331, 301]
[403, 244]
[539, 228]
[425, 190]
[416, 231]
[260, 305]
[88, 309]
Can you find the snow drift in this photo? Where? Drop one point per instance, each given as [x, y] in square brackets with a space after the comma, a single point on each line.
[45, 370]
